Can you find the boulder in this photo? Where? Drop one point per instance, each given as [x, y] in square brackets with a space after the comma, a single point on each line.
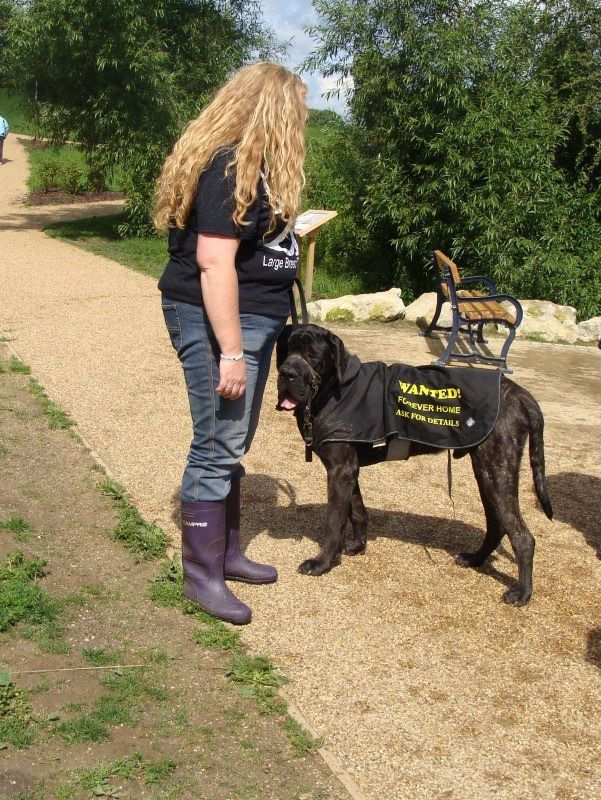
[548, 322]
[421, 311]
[590, 330]
[378, 307]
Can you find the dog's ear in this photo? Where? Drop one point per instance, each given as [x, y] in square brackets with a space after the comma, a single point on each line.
[339, 354]
[281, 349]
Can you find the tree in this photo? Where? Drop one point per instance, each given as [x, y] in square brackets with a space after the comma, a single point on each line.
[473, 138]
[122, 77]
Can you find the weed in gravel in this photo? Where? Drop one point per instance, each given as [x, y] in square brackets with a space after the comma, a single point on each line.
[3, 450]
[301, 739]
[57, 419]
[217, 638]
[255, 677]
[21, 598]
[16, 365]
[17, 724]
[143, 538]
[18, 526]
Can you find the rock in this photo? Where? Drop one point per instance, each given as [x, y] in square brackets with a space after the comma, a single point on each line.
[590, 330]
[548, 322]
[542, 320]
[378, 307]
[421, 311]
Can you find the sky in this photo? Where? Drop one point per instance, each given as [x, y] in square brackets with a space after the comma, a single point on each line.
[287, 19]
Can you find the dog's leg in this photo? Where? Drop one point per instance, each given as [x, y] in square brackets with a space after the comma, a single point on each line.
[356, 543]
[343, 470]
[492, 538]
[496, 465]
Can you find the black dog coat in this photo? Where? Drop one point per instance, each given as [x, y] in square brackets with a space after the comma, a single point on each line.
[383, 408]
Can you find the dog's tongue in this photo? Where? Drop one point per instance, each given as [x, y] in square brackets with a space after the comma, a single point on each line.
[287, 404]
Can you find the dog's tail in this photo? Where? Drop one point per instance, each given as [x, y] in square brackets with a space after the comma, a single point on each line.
[536, 425]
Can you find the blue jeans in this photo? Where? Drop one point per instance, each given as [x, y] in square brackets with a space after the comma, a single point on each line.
[223, 429]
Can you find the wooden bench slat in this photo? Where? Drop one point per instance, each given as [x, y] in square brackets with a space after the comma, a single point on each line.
[488, 309]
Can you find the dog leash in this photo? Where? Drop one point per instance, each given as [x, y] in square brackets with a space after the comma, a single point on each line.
[307, 416]
[303, 304]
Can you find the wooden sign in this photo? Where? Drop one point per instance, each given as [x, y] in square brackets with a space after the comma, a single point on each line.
[308, 224]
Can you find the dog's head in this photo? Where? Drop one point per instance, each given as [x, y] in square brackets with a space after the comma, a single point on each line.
[310, 361]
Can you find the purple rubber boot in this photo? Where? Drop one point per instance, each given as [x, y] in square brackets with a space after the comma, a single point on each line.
[237, 566]
[203, 553]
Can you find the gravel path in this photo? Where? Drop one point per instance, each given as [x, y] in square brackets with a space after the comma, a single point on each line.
[422, 682]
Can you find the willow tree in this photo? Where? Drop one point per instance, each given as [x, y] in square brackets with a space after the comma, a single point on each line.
[477, 127]
[122, 77]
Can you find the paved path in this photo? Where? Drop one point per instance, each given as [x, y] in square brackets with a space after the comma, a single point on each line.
[423, 683]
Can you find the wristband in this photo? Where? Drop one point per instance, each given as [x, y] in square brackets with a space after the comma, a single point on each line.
[232, 358]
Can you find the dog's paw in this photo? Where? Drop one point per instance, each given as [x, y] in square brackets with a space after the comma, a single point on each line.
[354, 547]
[313, 566]
[468, 560]
[516, 596]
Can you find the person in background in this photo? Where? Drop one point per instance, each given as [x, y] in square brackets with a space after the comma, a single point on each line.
[229, 194]
[3, 134]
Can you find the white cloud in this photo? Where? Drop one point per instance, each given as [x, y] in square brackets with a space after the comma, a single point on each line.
[288, 22]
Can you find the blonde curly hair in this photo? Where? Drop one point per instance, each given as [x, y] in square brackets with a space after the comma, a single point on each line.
[261, 113]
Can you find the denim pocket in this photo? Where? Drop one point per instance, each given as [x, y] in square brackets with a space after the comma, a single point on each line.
[173, 324]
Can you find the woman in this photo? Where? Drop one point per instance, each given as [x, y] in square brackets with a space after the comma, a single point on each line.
[229, 193]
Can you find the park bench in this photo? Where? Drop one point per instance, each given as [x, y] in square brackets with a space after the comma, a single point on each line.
[472, 309]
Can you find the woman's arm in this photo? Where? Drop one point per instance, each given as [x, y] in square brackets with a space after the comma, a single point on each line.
[215, 255]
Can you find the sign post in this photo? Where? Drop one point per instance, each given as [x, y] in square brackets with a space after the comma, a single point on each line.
[308, 224]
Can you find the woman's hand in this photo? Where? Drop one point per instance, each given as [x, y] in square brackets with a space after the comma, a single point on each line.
[232, 381]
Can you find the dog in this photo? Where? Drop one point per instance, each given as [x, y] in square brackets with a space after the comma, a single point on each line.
[310, 362]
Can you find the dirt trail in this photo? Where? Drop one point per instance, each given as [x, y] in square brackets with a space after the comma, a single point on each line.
[421, 680]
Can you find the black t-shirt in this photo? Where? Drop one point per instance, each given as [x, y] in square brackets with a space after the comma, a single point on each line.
[265, 267]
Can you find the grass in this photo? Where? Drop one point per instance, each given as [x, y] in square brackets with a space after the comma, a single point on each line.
[149, 255]
[67, 157]
[301, 739]
[57, 419]
[15, 365]
[18, 526]
[12, 108]
[100, 235]
[63, 168]
[21, 598]
[17, 725]
[100, 780]
[254, 677]
[143, 538]
[129, 691]
[24, 602]
[100, 657]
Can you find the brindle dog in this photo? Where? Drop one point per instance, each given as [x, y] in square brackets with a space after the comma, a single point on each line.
[311, 360]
